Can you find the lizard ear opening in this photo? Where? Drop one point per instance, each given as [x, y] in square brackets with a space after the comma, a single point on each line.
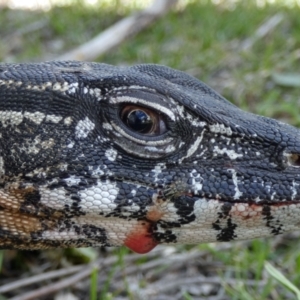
[293, 159]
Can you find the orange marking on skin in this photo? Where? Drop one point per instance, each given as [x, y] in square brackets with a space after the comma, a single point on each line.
[13, 198]
[19, 224]
[140, 239]
[15, 221]
[255, 210]
[157, 210]
[9, 202]
[246, 211]
[154, 214]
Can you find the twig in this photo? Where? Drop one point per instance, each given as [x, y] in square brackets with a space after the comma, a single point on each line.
[262, 31]
[52, 288]
[172, 261]
[38, 278]
[117, 33]
[163, 287]
[31, 27]
[83, 272]
[12, 40]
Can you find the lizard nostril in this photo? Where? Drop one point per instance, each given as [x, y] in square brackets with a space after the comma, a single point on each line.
[293, 159]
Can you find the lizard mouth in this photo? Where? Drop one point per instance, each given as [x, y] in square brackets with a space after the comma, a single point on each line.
[210, 220]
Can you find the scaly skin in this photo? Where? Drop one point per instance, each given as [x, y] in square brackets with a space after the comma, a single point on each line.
[97, 155]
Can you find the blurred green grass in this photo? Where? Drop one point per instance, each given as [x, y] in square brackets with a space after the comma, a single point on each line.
[204, 39]
[201, 38]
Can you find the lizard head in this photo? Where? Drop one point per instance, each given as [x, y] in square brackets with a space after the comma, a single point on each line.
[138, 156]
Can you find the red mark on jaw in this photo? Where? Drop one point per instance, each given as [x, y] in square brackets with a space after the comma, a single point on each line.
[140, 239]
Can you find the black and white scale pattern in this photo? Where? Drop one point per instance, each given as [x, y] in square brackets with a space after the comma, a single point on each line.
[74, 173]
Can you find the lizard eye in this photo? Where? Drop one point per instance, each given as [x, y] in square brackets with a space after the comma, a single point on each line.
[143, 120]
[293, 160]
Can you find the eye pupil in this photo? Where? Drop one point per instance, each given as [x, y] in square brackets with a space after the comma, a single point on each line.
[139, 121]
[142, 120]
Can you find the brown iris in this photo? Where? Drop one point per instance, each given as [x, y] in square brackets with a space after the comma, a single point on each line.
[143, 120]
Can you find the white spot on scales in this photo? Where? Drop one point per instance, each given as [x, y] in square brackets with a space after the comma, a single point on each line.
[111, 154]
[238, 193]
[220, 128]
[230, 153]
[294, 189]
[83, 128]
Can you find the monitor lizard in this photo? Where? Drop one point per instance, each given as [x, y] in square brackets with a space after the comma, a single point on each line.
[100, 155]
